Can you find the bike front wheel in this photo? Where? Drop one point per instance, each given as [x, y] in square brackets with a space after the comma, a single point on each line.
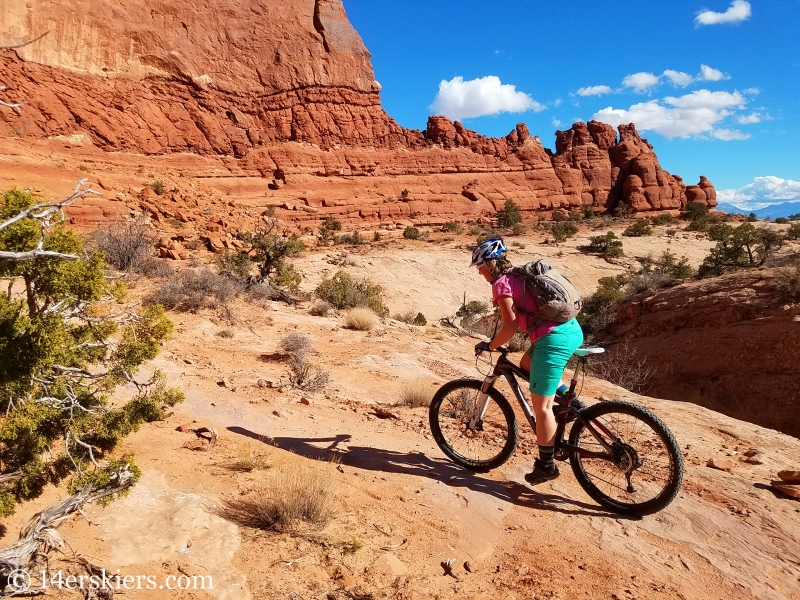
[642, 472]
[490, 442]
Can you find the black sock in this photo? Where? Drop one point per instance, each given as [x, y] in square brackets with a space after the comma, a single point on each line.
[546, 454]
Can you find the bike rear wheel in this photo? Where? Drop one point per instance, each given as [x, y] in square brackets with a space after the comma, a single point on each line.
[490, 443]
[646, 470]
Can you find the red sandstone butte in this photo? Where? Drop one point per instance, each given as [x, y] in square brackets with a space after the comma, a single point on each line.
[278, 90]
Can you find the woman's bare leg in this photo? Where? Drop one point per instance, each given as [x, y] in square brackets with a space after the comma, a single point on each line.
[545, 419]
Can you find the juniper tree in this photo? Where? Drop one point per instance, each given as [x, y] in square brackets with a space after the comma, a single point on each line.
[67, 340]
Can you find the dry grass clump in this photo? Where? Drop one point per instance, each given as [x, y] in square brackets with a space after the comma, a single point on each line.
[306, 376]
[519, 342]
[789, 281]
[248, 460]
[621, 366]
[226, 333]
[416, 393]
[320, 308]
[298, 494]
[193, 289]
[362, 319]
[296, 342]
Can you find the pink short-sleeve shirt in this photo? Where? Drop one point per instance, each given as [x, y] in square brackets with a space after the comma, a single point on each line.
[508, 286]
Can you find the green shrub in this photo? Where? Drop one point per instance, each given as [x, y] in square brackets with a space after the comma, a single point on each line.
[752, 218]
[377, 237]
[699, 224]
[781, 220]
[694, 210]
[794, 232]
[236, 263]
[405, 193]
[600, 309]
[288, 277]
[794, 217]
[640, 228]
[518, 229]
[563, 230]
[342, 292]
[622, 211]
[158, 187]
[588, 212]
[606, 245]
[453, 227]
[509, 215]
[663, 219]
[270, 251]
[789, 282]
[660, 273]
[412, 233]
[354, 238]
[473, 308]
[326, 232]
[175, 223]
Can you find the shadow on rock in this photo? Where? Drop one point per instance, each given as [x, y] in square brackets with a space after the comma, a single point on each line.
[420, 465]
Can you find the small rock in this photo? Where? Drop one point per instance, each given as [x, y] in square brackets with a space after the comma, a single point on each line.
[188, 361]
[224, 383]
[388, 564]
[185, 427]
[305, 401]
[468, 567]
[751, 452]
[263, 383]
[722, 464]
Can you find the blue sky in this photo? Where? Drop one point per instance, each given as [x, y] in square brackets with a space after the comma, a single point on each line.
[713, 84]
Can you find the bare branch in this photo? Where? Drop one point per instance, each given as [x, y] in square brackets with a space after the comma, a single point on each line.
[23, 44]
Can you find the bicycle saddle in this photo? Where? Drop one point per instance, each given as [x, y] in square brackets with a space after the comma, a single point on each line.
[581, 352]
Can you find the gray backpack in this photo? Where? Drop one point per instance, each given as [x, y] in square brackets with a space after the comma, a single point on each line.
[557, 299]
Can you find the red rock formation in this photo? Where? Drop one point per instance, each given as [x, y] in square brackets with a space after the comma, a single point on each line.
[700, 336]
[286, 89]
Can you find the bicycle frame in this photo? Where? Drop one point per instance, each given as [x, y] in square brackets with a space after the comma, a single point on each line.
[505, 368]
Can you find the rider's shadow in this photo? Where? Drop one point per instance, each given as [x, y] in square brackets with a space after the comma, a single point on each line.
[420, 465]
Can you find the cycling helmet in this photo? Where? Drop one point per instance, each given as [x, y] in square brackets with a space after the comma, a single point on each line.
[488, 250]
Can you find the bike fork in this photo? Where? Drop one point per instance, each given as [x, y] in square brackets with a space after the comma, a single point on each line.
[482, 402]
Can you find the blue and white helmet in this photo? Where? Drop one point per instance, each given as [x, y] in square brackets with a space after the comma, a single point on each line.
[488, 250]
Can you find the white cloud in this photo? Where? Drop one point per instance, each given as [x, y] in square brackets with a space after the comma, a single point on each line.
[739, 10]
[640, 82]
[557, 102]
[556, 123]
[594, 90]
[753, 91]
[678, 78]
[730, 134]
[710, 74]
[749, 119]
[458, 99]
[762, 192]
[689, 115]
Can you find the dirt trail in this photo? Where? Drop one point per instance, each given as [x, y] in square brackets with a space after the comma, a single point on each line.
[408, 509]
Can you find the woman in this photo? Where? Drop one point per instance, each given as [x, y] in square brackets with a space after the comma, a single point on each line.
[552, 344]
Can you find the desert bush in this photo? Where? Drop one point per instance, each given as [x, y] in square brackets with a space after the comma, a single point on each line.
[287, 276]
[473, 308]
[306, 376]
[647, 281]
[342, 292]
[663, 219]
[781, 220]
[126, 246]
[605, 245]
[226, 334]
[158, 187]
[271, 251]
[742, 247]
[487, 233]
[694, 210]
[794, 217]
[416, 393]
[623, 367]
[622, 211]
[236, 263]
[193, 289]
[563, 230]
[297, 494]
[794, 232]
[320, 308]
[327, 231]
[405, 193]
[518, 229]
[509, 215]
[361, 319]
[376, 236]
[412, 233]
[296, 342]
[588, 212]
[453, 227]
[640, 228]
[752, 218]
[789, 282]
[411, 317]
[519, 342]
[600, 309]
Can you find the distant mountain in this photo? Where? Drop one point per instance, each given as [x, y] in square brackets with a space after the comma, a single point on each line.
[772, 211]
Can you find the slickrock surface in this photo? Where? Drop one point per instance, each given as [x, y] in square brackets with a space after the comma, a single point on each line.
[284, 92]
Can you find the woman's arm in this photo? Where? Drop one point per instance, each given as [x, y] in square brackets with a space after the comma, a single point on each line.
[510, 326]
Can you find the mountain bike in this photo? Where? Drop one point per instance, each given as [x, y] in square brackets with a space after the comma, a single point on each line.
[623, 456]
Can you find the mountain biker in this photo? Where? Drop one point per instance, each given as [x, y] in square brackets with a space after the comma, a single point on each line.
[552, 344]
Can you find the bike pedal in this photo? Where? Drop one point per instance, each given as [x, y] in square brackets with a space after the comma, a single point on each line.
[561, 455]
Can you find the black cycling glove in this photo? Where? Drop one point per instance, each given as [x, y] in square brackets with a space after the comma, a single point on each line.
[481, 347]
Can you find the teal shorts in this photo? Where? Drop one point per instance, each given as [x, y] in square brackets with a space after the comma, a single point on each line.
[550, 354]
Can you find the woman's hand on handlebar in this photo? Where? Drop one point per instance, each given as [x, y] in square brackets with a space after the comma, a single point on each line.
[481, 347]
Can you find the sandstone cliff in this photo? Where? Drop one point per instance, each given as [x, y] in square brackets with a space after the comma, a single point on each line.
[279, 89]
[729, 343]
